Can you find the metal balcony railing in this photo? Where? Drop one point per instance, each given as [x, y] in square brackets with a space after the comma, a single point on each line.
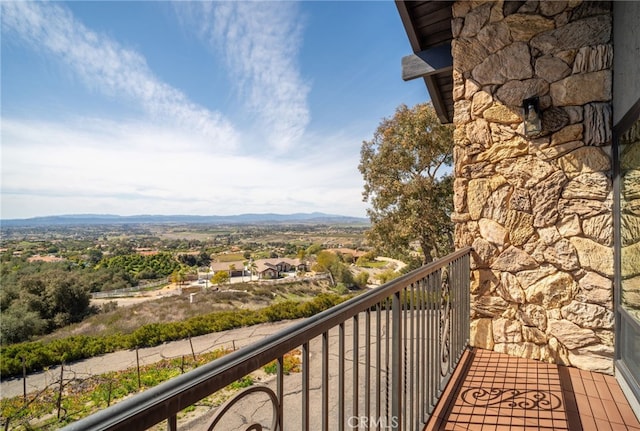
[377, 361]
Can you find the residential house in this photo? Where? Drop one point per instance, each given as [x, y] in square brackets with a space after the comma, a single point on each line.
[235, 268]
[276, 267]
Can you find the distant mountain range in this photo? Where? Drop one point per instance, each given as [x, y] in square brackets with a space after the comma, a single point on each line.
[101, 219]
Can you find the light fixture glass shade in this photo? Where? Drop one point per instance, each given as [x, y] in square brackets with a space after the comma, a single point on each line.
[532, 118]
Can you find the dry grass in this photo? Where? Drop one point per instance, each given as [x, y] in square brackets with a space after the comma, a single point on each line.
[177, 308]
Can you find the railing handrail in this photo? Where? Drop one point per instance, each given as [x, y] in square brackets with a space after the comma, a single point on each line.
[170, 397]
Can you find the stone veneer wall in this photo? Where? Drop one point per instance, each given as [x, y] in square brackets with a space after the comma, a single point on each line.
[538, 212]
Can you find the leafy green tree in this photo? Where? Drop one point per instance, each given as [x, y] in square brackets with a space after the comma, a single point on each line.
[405, 170]
[330, 263]
[220, 277]
[362, 279]
[253, 268]
[94, 256]
[204, 259]
[313, 249]
[19, 323]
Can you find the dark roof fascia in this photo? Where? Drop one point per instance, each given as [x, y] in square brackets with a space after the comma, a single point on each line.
[439, 65]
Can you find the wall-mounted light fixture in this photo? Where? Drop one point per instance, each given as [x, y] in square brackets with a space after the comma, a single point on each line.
[532, 117]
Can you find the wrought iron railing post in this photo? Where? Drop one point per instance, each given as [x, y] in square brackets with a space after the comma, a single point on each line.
[394, 422]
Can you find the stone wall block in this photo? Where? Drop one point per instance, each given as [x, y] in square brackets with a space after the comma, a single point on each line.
[528, 277]
[544, 199]
[483, 282]
[520, 226]
[552, 8]
[524, 172]
[557, 352]
[593, 256]
[480, 101]
[506, 331]
[471, 87]
[571, 335]
[519, 200]
[593, 58]
[460, 9]
[493, 232]
[553, 291]
[584, 208]
[514, 260]
[509, 288]
[575, 114]
[488, 306]
[533, 315]
[495, 36]
[599, 228]
[481, 334]
[569, 225]
[586, 159]
[465, 233]
[513, 93]
[586, 359]
[467, 53]
[562, 255]
[499, 113]
[607, 336]
[478, 192]
[475, 20]
[568, 55]
[597, 124]
[590, 316]
[551, 68]
[460, 195]
[590, 8]
[554, 119]
[595, 289]
[582, 89]
[485, 251]
[569, 133]
[456, 27]
[462, 111]
[511, 7]
[496, 206]
[477, 170]
[478, 132]
[534, 335]
[511, 62]
[524, 26]
[549, 154]
[549, 235]
[590, 185]
[575, 35]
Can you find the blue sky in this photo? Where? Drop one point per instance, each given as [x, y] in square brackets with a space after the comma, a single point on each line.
[194, 107]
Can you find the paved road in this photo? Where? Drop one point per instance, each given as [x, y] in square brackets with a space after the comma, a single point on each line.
[252, 408]
[124, 359]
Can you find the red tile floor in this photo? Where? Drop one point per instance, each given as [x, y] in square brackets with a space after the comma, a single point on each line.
[494, 391]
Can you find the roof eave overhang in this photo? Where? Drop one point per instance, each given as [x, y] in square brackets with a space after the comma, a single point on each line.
[433, 63]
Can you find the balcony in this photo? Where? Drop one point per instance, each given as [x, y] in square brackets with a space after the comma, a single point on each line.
[396, 357]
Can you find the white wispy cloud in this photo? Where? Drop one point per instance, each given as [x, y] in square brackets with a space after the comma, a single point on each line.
[147, 173]
[260, 42]
[105, 65]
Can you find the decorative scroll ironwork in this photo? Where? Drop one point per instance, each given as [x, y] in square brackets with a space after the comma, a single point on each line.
[445, 313]
[247, 392]
[528, 399]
